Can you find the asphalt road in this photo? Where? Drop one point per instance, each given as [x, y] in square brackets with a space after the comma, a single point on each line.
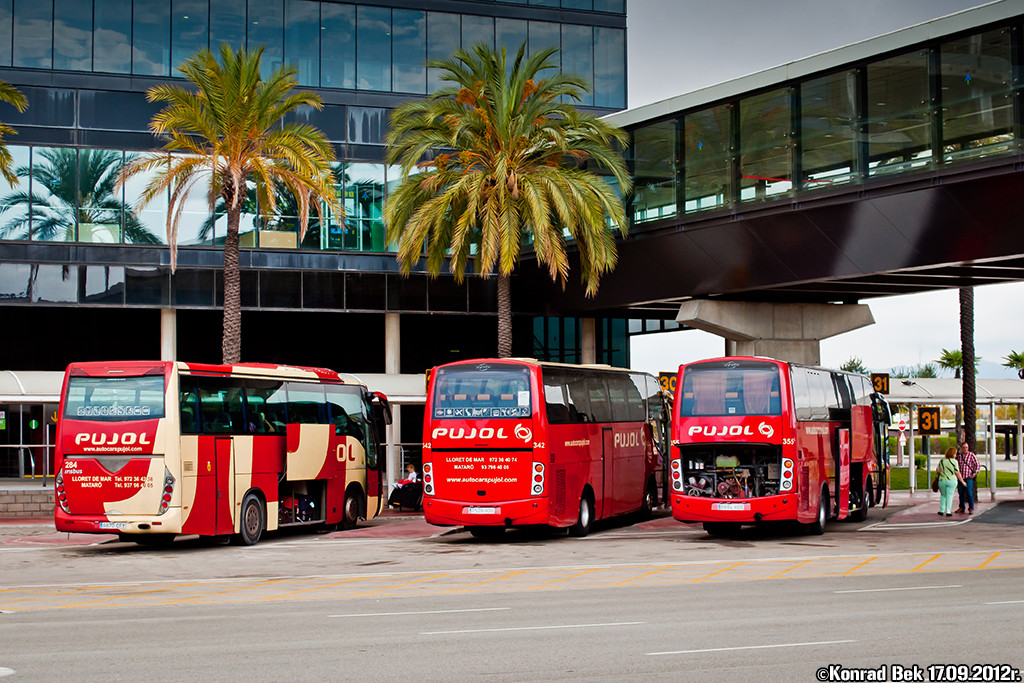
[648, 601]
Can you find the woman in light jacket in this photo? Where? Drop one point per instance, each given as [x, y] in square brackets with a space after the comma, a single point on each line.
[949, 474]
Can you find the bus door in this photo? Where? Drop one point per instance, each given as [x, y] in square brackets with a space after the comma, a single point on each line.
[842, 456]
[213, 487]
[376, 458]
[605, 497]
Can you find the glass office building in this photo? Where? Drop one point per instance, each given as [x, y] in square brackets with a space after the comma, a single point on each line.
[84, 274]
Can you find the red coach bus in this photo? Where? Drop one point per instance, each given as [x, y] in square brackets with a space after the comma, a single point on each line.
[516, 442]
[758, 440]
[153, 449]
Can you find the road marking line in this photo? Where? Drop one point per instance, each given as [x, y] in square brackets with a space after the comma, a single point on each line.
[775, 576]
[401, 585]
[531, 628]
[853, 569]
[720, 571]
[933, 557]
[480, 583]
[1006, 602]
[634, 578]
[564, 578]
[749, 647]
[433, 611]
[994, 556]
[905, 588]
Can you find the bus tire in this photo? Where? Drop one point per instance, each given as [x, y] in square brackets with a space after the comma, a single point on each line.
[350, 508]
[487, 533]
[817, 527]
[252, 521]
[585, 519]
[861, 513]
[650, 500]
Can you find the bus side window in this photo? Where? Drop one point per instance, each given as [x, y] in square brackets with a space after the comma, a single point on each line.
[579, 401]
[307, 403]
[189, 410]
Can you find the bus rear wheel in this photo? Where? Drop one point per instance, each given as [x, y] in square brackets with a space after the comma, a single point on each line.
[650, 500]
[586, 518]
[251, 522]
[350, 510]
[861, 513]
[817, 527]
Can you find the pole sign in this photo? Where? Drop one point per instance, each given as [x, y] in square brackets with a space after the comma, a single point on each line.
[902, 425]
[928, 421]
[667, 380]
[880, 382]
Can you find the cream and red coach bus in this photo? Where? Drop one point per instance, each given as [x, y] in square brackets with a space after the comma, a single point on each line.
[150, 450]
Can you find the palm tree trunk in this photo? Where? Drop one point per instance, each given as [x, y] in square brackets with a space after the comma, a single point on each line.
[231, 339]
[967, 353]
[504, 315]
[958, 420]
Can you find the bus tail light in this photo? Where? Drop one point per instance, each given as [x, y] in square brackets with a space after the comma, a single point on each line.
[537, 479]
[677, 474]
[786, 483]
[168, 492]
[62, 497]
[428, 479]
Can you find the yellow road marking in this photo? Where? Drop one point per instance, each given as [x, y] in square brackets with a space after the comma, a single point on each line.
[635, 578]
[720, 571]
[853, 569]
[34, 598]
[985, 563]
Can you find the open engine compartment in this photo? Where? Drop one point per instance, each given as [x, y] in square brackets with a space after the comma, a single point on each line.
[730, 470]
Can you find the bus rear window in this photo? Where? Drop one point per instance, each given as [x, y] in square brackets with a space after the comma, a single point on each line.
[731, 388]
[483, 391]
[115, 399]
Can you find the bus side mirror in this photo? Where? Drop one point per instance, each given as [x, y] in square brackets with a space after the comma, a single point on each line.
[381, 408]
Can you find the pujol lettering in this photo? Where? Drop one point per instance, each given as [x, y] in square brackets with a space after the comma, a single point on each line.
[126, 439]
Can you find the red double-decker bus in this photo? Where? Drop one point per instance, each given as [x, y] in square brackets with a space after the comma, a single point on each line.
[150, 450]
[516, 442]
[759, 440]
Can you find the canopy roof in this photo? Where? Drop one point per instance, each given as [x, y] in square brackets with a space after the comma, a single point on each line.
[30, 386]
[930, 391]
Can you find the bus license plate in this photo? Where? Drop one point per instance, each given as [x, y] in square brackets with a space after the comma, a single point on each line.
[730, 506]
[114, 525]
[481, 511]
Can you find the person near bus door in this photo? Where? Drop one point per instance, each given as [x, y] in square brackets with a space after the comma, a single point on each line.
[949, 475]
[968, 463]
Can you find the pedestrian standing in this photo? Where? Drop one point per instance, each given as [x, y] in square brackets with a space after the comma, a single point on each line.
[968, 464]
[949, 474]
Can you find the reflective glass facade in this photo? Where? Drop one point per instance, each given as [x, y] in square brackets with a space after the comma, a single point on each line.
[333, 45]
[919, 110]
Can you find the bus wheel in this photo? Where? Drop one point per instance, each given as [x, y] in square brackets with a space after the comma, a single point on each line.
[724, 529]
[350, 510]
[650, 500]
[487, 533]
[817, 527]
[252, 521]
[582, 526]
[861, 513]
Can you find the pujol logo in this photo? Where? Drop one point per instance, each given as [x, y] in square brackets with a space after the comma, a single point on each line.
[523, 432]
[731, 430]
[126, 439]
[766, 429]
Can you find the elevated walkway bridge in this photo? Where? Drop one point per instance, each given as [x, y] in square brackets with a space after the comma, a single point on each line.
[890, 166]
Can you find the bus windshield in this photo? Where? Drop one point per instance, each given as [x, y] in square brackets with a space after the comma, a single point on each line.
[483, 391]
[115, 399]
[731, 388]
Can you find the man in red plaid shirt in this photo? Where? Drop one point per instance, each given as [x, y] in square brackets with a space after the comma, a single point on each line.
[968, 464]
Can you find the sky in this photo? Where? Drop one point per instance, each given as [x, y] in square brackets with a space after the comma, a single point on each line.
[677, 46]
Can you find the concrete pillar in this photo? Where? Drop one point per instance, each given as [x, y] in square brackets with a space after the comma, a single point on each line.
[992, 449]
[168, 334]
[1020, 448]
[392, 366]
[588, 341]
[789, 332]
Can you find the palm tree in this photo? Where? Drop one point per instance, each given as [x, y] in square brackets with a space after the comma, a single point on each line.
[13, 97]
[970, 396]
[854, 364]
[73, 188]
[952, 359]
[1015, 360]
[230, 129]
[506, 155]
